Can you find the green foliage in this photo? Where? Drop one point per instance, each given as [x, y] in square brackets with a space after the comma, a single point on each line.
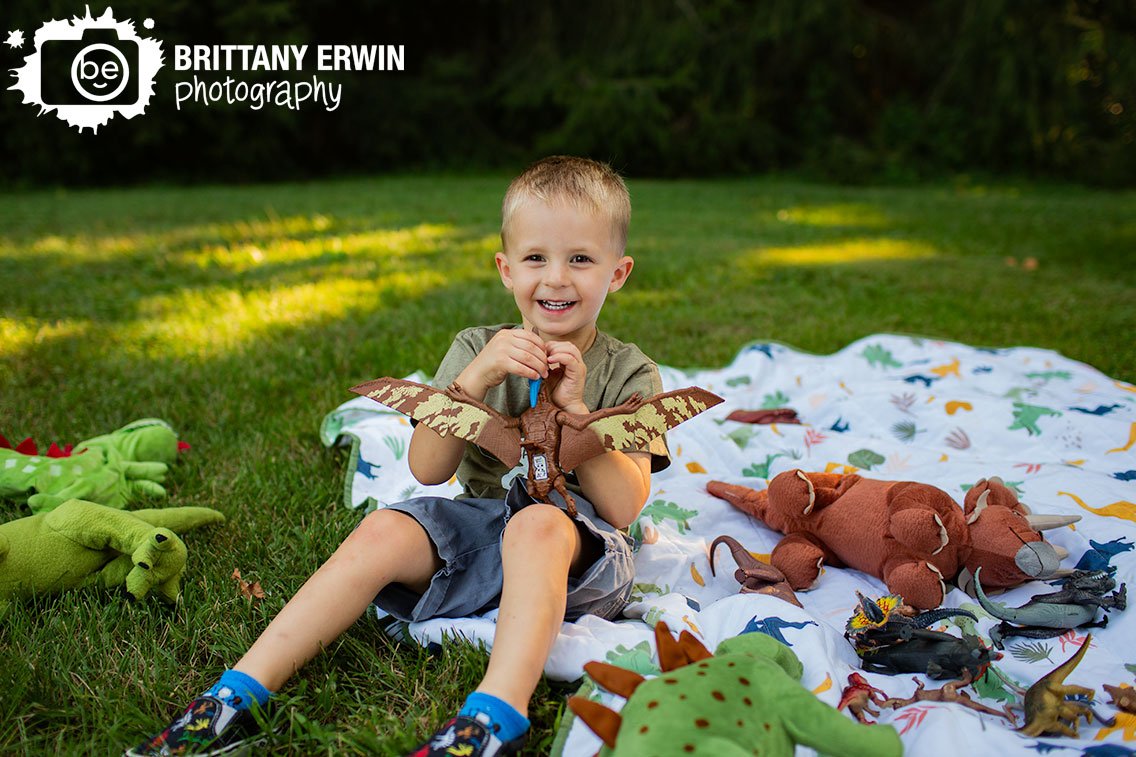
[1032, 651]
[741, 436]
[397, 445]
[905, 431]
[774, 400]
[865, 458]
[760, 470]
[850, 91]
[878, 356]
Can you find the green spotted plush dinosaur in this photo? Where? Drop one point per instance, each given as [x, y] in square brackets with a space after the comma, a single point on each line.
[85, 544]
[746, 699]
[112, 469]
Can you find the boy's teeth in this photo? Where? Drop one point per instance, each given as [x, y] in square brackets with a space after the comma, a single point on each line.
[555, 305]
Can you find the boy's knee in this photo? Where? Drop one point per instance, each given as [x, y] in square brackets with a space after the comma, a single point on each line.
[387, 525]
[539, 524]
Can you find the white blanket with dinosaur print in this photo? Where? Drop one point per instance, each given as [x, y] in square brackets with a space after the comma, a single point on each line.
[891, 407]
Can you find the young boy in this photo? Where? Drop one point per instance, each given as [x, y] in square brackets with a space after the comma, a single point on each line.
[563, 232]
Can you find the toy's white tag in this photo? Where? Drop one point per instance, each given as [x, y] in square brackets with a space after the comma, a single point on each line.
[540, 468]
[521, 470]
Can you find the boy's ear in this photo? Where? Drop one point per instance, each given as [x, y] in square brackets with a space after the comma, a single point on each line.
[620, 274]
[503, 269]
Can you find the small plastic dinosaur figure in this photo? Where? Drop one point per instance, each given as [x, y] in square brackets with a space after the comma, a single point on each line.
[556, 441]
[859, 696]
[1123, 698]
[887, 620]
[1046, 706]
[1044, 616]
[934, 653]
[745, 699]
[949, 692]
[755, 576]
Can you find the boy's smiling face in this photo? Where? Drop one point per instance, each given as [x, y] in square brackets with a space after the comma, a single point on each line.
[560, 263]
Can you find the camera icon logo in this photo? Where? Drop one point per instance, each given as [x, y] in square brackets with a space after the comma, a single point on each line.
[88, 70]
[99, 68]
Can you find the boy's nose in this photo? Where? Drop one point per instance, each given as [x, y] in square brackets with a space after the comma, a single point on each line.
[556, 275]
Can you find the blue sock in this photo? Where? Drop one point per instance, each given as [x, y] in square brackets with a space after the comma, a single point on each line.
[239, 690]
[510, 723]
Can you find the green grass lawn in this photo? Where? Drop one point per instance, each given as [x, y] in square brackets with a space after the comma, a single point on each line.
[241, 315]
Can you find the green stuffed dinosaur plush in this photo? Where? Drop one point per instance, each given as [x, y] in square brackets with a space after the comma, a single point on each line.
[746, 699]
[84, 544]
[112, 469]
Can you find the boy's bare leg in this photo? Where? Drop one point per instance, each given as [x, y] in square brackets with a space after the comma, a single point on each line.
[540, 546]
[388, 547]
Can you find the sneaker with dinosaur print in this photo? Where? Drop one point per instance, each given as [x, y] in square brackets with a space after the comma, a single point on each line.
[468, 737]
[208, 726]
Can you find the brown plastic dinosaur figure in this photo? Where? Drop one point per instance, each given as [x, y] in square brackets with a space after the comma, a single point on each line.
[555, 440]
[755, 576]
[1123, 698]
[859, 696]
[949, 692]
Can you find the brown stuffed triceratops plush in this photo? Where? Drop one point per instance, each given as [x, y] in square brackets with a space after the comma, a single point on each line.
[911, 535]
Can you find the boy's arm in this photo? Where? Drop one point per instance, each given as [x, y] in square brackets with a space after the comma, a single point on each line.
[617, 484]
[433, 458]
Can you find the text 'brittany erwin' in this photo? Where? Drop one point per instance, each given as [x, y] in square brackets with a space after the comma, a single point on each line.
[289, 57]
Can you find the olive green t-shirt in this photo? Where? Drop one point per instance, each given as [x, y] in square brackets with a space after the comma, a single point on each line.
[615, 371]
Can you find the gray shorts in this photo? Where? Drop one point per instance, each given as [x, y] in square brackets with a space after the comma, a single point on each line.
[467, 534]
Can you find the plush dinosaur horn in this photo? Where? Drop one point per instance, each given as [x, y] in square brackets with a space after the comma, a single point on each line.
[671, 655]
[675, 654]
[615, 679]
[695, 650]
[979, 506]
[1048, 522]
[604, 722]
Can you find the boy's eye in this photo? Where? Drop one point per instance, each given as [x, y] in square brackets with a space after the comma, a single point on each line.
[581, 259]
[535, 257]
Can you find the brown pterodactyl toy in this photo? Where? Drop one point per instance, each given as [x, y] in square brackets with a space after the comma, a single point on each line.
[555, 441]
[912, 535]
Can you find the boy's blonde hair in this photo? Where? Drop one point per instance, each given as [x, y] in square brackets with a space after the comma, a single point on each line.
[581, 182]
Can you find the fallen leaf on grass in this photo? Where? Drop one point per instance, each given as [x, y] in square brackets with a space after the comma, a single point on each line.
[251, 591]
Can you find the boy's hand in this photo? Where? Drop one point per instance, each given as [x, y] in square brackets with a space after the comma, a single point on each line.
[568, 392]
[510, 351]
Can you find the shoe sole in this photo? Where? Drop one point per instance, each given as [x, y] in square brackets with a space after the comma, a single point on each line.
[233, 750]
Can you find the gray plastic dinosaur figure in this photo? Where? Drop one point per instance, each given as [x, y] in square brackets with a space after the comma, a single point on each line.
[1044, 616]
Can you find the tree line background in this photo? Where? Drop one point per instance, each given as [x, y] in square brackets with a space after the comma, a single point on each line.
[848, 90]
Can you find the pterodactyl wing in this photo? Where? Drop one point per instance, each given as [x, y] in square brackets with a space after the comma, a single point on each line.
[447, 412]
[630, 425]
